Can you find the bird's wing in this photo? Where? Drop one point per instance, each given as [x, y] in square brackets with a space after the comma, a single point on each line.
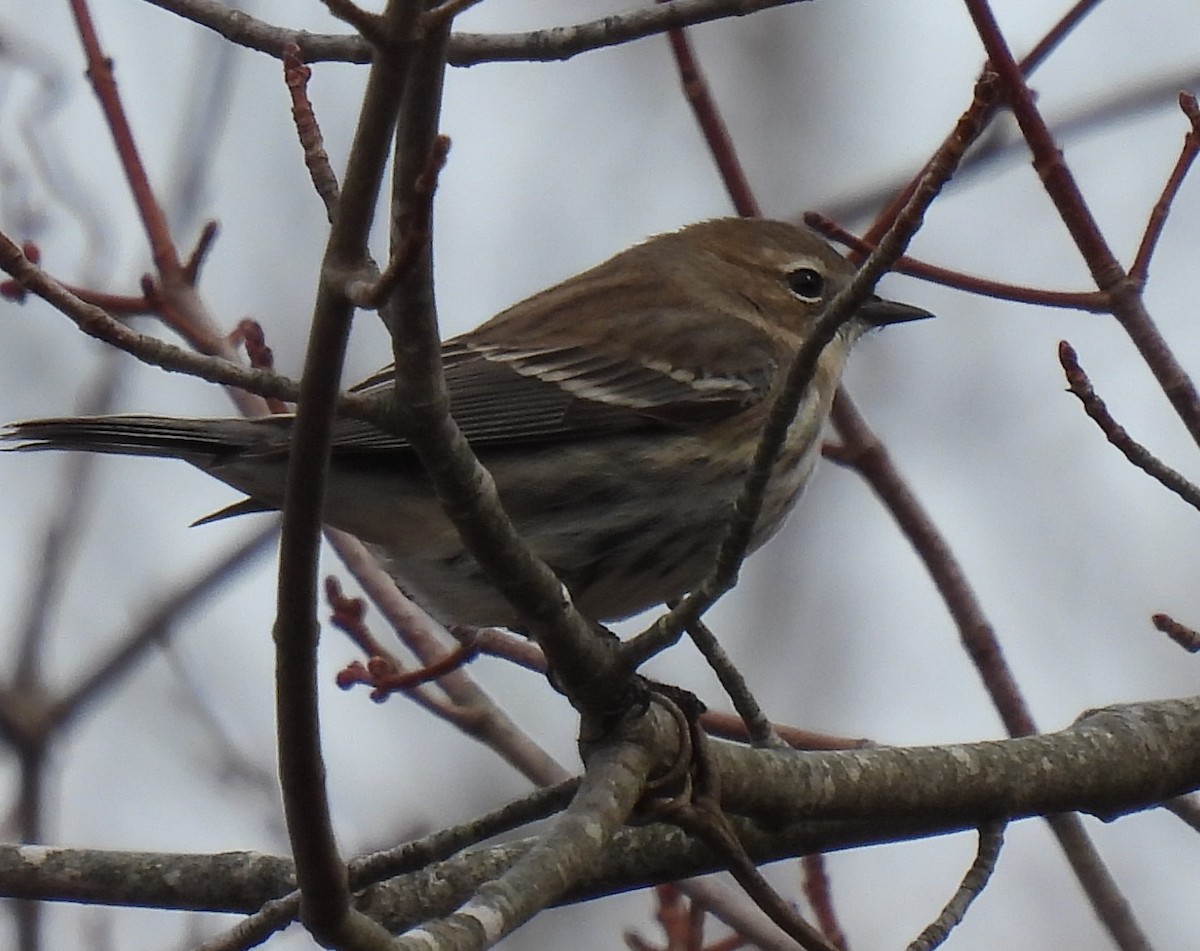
[518, 395]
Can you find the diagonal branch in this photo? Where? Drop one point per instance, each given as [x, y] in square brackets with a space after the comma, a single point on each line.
[736, 541]
[566, 854]
[583, 663]
[1081, 385]
[1064, 192]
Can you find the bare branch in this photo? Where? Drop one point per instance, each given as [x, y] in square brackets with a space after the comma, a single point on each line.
[1115, 433]
[991, 839]
[468, 49]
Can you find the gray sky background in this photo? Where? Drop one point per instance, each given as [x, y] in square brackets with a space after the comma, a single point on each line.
[553, 168]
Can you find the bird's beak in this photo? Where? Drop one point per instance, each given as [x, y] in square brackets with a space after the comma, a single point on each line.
[877, 312]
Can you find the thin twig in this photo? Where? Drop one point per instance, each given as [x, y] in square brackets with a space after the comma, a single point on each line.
[991, 840]
[348, 616]
[1105, 896]
[976, 633]
[99, 71]
[1129, 309]
[1064, 192]
[1115, 433]
[470, 708]
[1186, 637]
[368, 869]
[861, 450]
[195, 260]
[1140, 268]
[712, 126]
[978, 636]
[817, 890]
[416, 238]
[758, 726]
[296, 75]
[172, 294]
[1095, 302]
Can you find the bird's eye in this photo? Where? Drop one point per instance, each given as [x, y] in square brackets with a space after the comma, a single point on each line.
[807, 284]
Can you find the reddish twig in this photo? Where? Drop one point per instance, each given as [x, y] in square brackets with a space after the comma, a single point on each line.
[349, 616]
[1140, 268]
[1060, 185]
[99, 71]
[1056, 34]
[195, 260]
[1057, 179]
[123, 305]
[96, 322]
[1135, 452]
[171, 294]
[1095, 302]
[1181, 634]
[820, 899]
[1064, 192]
[984, 102]
[249, 333]
[385, 677]
[466, 705]
[720, 145]
[383, 670]
[682, 922]
[296, 75]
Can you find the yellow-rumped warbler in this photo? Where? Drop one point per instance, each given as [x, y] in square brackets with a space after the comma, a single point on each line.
[618, 413]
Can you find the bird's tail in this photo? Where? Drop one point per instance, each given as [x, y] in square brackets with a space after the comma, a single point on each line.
[199, 441]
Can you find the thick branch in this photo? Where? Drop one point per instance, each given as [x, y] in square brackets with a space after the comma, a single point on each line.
[1112, 761]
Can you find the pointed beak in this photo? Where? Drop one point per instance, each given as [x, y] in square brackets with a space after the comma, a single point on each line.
[877, 312]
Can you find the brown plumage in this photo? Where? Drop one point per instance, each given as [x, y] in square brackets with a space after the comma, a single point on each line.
[618, 413]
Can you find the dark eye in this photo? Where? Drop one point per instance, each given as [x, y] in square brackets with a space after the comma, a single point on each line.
[807, 284]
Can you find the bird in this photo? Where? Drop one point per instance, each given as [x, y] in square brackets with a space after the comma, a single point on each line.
[618, 413]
